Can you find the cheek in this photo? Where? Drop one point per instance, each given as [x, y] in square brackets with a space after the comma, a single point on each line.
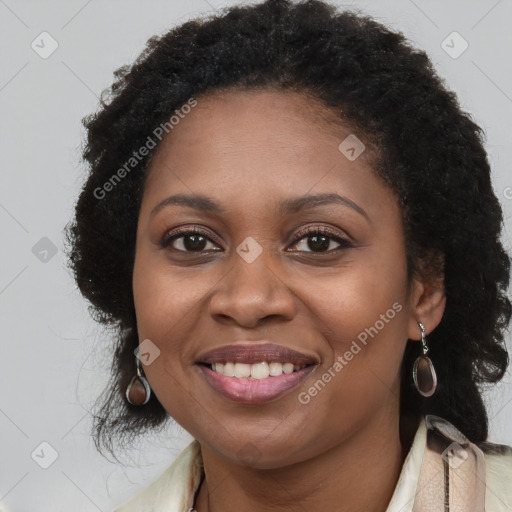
[361, 301]
[362, 315]
[169, 305]
[161, 308]
[165, 299]
[361, 376]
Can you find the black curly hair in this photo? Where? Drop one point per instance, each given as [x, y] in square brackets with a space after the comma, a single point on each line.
[430, 154]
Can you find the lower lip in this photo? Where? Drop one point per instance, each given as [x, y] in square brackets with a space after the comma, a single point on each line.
[255, 391]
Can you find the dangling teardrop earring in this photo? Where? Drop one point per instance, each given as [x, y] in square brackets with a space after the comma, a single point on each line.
[423, 372]
[138, 391]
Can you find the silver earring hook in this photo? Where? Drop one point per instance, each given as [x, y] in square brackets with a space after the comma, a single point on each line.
[138, 367]
[423, 339]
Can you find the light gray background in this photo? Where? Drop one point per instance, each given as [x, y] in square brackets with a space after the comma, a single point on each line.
[54, 358]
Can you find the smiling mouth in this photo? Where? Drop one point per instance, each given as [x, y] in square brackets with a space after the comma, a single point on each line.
[243, 387]
[254, 371]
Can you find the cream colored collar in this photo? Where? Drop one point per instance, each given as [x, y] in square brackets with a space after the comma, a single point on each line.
[442, 471]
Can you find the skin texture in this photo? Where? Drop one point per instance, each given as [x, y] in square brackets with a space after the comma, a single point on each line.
[250, 151]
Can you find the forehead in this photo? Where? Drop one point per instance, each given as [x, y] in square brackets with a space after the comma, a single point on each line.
[254, 131]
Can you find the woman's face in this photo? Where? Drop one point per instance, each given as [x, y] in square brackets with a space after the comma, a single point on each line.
[257, 271]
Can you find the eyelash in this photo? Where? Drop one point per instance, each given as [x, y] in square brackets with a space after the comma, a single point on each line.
[320, 230]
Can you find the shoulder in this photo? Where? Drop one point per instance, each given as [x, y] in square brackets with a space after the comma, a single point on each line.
[498, 463]
[174, 489]
[478, 473]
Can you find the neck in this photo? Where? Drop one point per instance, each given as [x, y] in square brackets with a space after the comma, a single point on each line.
[357, 475]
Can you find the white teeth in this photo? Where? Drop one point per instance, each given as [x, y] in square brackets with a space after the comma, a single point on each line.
[288, 367]
[242, 370]
[229, 370]
[260, 370]
[256, 370]
[275, 369]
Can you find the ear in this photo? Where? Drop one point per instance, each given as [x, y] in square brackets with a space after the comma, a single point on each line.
[427, 302]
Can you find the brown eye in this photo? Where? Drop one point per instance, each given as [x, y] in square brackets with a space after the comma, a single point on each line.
[319, 239]
[189, 240]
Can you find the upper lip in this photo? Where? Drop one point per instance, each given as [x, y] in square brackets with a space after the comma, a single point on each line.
[245, 352]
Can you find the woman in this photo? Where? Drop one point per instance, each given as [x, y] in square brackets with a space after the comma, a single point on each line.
[291, 223]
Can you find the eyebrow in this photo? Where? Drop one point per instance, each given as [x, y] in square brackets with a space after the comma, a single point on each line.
[287, 207]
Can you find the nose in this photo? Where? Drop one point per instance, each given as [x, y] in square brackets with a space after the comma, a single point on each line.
[251, 293]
